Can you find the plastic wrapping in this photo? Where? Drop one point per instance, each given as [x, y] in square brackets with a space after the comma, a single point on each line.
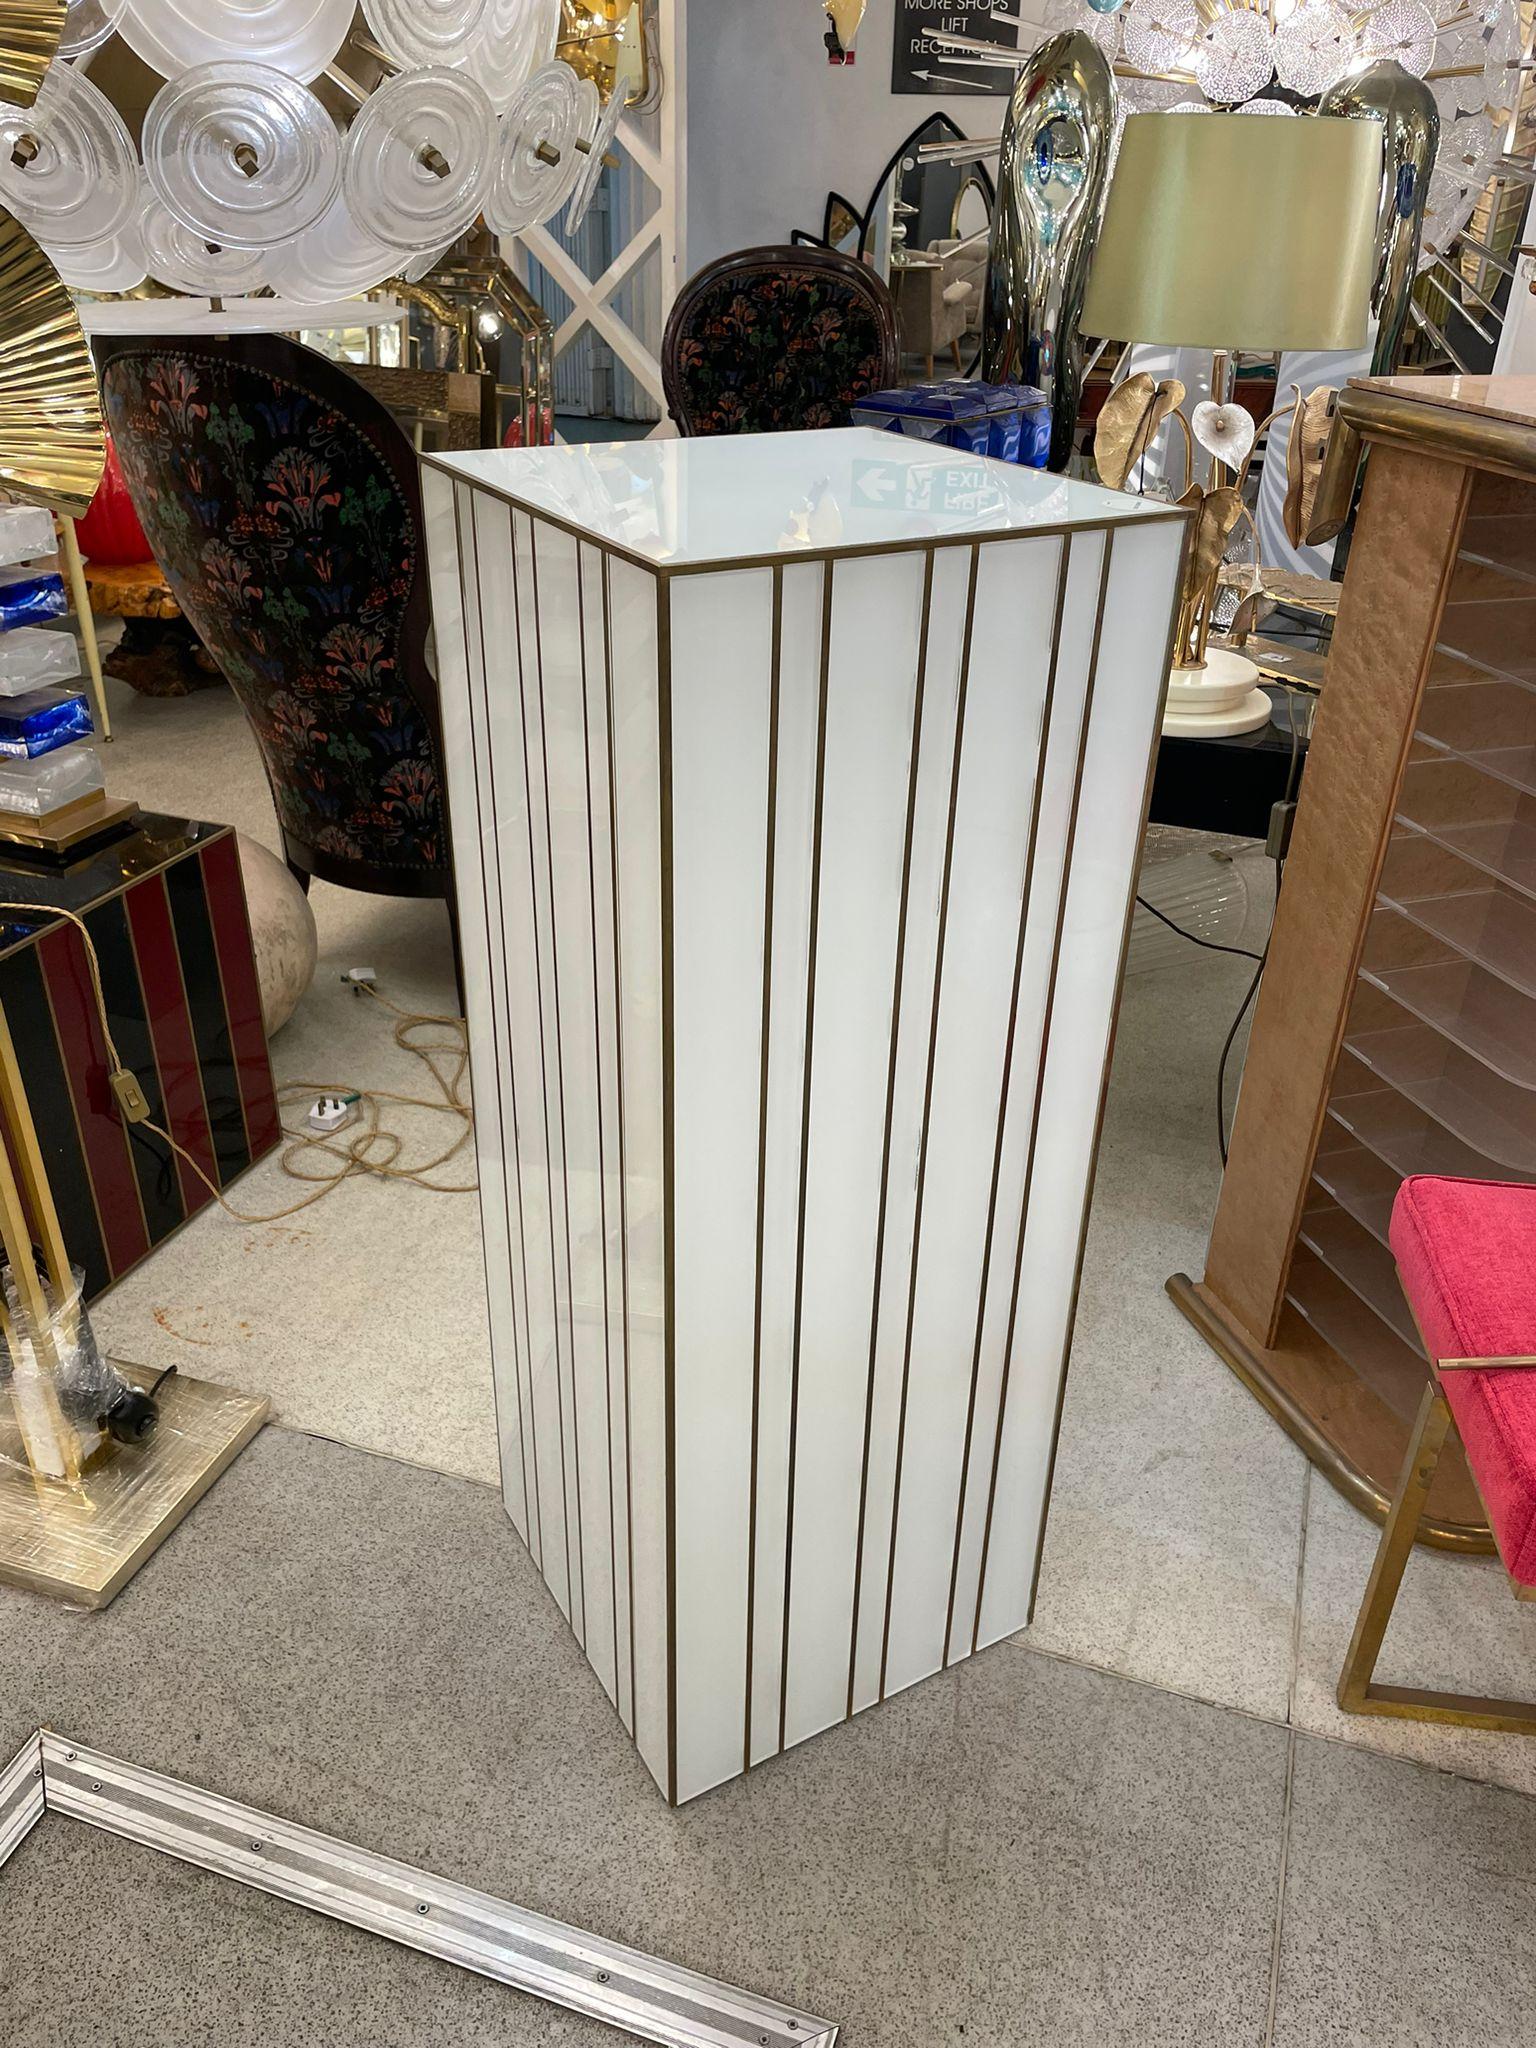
[37, 788]
[34, 655]
[29, 596]
[38, 722]
[66, 1400]
[26, 531]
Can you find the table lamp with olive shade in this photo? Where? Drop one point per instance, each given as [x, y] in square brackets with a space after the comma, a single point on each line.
[1227, 232]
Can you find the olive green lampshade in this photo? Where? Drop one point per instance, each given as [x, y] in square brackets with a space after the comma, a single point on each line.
[1229, 231]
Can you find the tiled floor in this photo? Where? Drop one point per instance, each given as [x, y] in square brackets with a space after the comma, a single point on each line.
[1020, 1850]
[1027, 1848]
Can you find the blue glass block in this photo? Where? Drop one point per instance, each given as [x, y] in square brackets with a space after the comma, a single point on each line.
[40, 720]
[29, 596]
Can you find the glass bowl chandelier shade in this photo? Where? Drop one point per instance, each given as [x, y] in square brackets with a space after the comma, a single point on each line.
[88, 25]
[67, 166]
[515, 38]
[335, 259]
[275, 157]
[184, 261]
[1193, 56]
[423, 31]
[419, 158]
[297, 37]
[241, 154]
[537, 162]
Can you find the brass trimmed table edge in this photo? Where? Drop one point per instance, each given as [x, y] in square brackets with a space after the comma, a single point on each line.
[1357, 1486]
[1447, 433]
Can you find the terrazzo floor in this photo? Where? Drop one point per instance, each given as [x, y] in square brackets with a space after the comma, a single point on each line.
[1143, 1820]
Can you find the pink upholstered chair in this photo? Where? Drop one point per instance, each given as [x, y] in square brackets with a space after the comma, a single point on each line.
[1466, 1255]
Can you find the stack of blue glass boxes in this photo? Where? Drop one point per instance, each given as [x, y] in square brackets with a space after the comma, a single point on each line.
[1009, 421]
[46, 759]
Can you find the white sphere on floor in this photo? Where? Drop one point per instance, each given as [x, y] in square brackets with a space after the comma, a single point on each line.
[283, 934]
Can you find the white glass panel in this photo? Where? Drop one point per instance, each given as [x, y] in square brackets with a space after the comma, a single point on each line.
[531, 973]
[870, 689]
[637, 810]
[947, 606]
[1121, 734]
[1005, 695]
[722, 685]
[1057, 768]
[473, 824]
[562, 688]
[799, 699]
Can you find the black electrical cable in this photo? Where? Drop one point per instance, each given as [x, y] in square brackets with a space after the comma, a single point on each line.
[1210, 945]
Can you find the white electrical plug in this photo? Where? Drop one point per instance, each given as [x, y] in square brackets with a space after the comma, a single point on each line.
[360, 977]
[328, 1113]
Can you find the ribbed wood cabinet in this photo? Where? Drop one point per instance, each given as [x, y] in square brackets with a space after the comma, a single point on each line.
[1396, 1027]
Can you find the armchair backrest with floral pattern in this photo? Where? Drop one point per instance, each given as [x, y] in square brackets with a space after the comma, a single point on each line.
[772, 339]
[282, 504]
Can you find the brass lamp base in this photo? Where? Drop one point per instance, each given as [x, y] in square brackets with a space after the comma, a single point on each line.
[61, 831]
[84, 1542]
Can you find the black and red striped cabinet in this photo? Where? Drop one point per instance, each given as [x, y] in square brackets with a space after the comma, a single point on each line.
[165, 910]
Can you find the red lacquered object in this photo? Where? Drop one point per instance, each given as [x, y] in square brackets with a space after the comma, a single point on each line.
[110, 531]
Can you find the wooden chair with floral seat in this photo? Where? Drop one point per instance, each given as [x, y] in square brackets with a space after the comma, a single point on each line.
[282, 504]
[778, 338]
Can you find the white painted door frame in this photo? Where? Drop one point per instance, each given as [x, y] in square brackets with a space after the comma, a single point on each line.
[662, 160]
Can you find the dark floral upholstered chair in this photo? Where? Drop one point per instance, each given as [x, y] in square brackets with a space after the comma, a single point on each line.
[777, 338]
[281, 502]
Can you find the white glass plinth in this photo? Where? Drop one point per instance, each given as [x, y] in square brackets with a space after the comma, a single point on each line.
[796, 786]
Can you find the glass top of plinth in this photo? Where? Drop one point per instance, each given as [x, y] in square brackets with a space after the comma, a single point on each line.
[749, 497]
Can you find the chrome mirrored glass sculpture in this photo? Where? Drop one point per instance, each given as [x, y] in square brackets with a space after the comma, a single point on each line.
[1053, 176]
[1405, 107]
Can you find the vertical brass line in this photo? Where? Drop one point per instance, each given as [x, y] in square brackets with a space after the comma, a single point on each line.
[914, 760]
[922, 1143]
[536, 1544]
[602, 1149]
[1045, 1046]
[1098, 1127]
[1025, 897]
[618, 1018]
[538, 984]
[776, 657]
[827, 579]
[565, 1159]
[668, 1142]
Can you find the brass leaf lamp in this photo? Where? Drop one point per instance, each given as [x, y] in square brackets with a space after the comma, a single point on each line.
[1224, 232]
[52, 446]
[29, 40]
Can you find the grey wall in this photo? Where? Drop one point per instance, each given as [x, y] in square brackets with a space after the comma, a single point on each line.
[771, 126]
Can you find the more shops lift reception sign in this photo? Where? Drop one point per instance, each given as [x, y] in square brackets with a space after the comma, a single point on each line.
[916, 65]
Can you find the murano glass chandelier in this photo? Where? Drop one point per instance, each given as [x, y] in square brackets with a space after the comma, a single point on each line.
[291, 149]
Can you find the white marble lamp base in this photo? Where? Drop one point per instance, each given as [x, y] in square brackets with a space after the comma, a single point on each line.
[1216, 701]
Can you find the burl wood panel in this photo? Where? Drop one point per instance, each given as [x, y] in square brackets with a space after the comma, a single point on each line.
[1400, 566]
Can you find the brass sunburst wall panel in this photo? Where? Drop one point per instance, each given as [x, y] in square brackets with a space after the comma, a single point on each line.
[52, 446]
[29, 39]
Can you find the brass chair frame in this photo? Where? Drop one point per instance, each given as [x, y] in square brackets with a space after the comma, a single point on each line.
[1357, 1693]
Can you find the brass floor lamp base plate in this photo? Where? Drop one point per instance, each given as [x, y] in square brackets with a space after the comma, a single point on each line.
[84, 1544]
[1348, 1431]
